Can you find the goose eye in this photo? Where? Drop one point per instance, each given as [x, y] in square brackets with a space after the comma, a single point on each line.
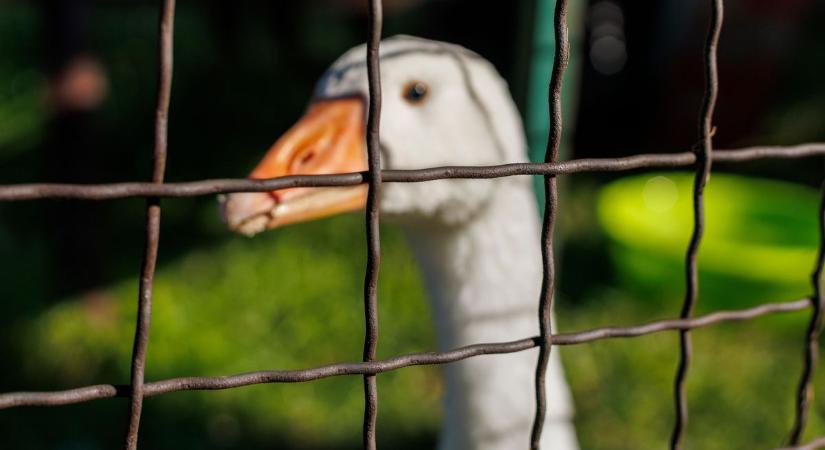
[415, 92]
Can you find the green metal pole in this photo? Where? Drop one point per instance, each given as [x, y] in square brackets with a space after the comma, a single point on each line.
[537, 121]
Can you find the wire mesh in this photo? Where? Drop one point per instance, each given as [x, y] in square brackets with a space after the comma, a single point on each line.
[701, 159]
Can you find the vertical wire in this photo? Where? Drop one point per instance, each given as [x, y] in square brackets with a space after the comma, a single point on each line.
[372, 221]
[703, 166]
[550, 206]
[144, 313]
[805, 392]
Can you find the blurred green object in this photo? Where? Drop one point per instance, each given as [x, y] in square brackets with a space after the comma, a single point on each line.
[22, 113]
[759, 245]
[22, 106]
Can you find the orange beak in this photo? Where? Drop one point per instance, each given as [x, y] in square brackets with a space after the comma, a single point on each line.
[328, 139]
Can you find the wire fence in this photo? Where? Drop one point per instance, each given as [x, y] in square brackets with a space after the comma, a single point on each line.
[700, 159]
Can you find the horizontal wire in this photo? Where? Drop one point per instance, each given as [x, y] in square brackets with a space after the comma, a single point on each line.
[88, 393]
[813, 445]
[110, 191]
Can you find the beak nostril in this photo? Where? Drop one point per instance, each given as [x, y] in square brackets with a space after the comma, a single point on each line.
[300, 163]
[306, 158]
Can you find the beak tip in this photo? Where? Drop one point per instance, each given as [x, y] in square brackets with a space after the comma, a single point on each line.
[246, 213]
[252, 226]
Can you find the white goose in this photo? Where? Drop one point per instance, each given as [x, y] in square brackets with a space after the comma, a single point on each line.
[477, 241]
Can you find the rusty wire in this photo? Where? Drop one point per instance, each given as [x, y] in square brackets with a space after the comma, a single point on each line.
[805, 388]
[88, 393]
[551, 204]
[113, 191]
[150, 257]
[701, 160]
[813, 445]
[703, 166]
[375, 14]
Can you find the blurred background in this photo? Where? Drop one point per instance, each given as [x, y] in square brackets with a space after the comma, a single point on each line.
[77, 93]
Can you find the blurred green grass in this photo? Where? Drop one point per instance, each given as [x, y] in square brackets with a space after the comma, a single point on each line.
[288, 299]
[292, 299]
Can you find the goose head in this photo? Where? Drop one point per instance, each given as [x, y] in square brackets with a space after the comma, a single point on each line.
[442, 105]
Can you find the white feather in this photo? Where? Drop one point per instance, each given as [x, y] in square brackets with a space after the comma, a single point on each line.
[477, 240]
